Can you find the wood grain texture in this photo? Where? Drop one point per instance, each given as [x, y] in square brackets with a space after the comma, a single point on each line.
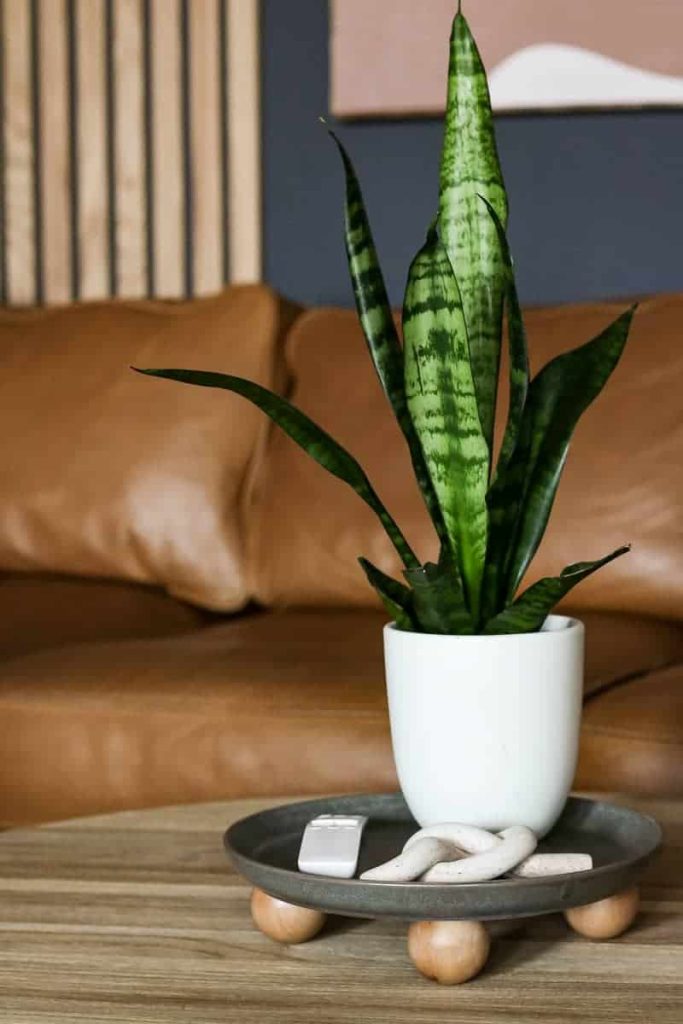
[93, 213]
[207, 229]
[167, 198]
[131, 256]
[54, 138]
[19, 167]
[244, 142]
[138, 917]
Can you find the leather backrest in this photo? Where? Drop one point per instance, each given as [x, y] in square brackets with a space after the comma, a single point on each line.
[622, 483]
[107, 473]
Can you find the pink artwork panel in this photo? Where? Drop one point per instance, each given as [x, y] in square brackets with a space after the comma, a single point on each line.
[389, 57]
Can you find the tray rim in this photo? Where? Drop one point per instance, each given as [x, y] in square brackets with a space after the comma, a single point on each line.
[629, 865]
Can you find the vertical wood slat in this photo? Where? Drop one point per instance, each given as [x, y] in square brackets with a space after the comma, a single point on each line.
[148, 113]
[207, 229]
[91, 150]
[129, 154]
[54, 141]
[38, 261]
[186, 137]
[223, 137]
[244, 143]
[19, 155]
[3, 265]
[167, 201]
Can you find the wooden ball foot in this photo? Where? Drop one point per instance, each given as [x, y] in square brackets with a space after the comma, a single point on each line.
[607, 918]
[449, 952]
[282, 921]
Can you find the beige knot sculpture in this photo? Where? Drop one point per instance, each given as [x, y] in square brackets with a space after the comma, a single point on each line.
[455, 854]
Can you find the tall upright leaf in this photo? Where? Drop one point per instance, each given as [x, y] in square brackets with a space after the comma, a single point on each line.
[470, 168]
[528, 613]
[499, 539]
[517, 345]
[523, 494]
[374, 313]
[443, 407]
[307, 434]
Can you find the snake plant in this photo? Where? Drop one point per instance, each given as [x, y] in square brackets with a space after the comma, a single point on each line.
[442, 383]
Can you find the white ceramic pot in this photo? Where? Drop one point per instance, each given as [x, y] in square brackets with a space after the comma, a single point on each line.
[485, 729]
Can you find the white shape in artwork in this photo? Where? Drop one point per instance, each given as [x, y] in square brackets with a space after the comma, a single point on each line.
[554, 75]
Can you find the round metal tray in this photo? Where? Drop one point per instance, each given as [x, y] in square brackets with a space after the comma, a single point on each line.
[264, 848]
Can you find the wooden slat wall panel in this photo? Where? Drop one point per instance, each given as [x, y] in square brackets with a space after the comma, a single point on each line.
[205, 148]
[167, 207]
[244, 144]
[130, 148]
[54, 139]
[19, 161]
[89, 103]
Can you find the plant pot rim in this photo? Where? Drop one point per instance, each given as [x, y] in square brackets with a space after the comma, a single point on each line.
[559, 625]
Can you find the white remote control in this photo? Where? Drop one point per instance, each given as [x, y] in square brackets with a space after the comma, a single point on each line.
[330, 845]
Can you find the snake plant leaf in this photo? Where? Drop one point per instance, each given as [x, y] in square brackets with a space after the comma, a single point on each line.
[394, 595]
[517, 345]
[307, 434]
[469, 168]
[443, 407]
[498, 540]
[558, 396]
[527, 614]
[438, 599]
[374, 313]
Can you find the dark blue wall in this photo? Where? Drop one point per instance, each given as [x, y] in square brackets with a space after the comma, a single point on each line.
[596, 199]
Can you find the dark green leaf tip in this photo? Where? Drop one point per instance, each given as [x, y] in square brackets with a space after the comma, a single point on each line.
[432, 232]
[493, 214]
[579, 568]
[348, 168]
[157, 372]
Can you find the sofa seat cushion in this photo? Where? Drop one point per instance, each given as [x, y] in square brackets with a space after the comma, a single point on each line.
[106, 473]
[272, 703]
[38, 612]
[632, 736]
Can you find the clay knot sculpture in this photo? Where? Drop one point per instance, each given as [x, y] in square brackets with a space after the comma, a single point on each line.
[453, 853]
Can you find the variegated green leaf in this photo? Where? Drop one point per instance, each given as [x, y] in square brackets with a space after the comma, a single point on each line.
[374, 313]
[470, 168]
[443, 407]
[499, 540]
[438, 599]
[528, 613]
[394, 595]
[307, 434]
[521, 500]
[517, 345]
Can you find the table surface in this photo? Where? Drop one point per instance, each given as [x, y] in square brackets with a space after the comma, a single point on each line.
[138, 917]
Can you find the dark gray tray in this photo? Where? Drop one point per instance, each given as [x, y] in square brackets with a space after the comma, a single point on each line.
[264, 848]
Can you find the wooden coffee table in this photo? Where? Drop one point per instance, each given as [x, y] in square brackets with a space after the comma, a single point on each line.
[138, 917]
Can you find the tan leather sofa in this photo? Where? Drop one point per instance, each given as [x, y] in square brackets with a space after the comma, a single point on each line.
[181, 613]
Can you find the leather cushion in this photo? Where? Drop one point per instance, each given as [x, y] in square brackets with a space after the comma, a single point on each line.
[620, 484]
[632, 736]
[38, 612]
[271, 703]
[106, 473]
